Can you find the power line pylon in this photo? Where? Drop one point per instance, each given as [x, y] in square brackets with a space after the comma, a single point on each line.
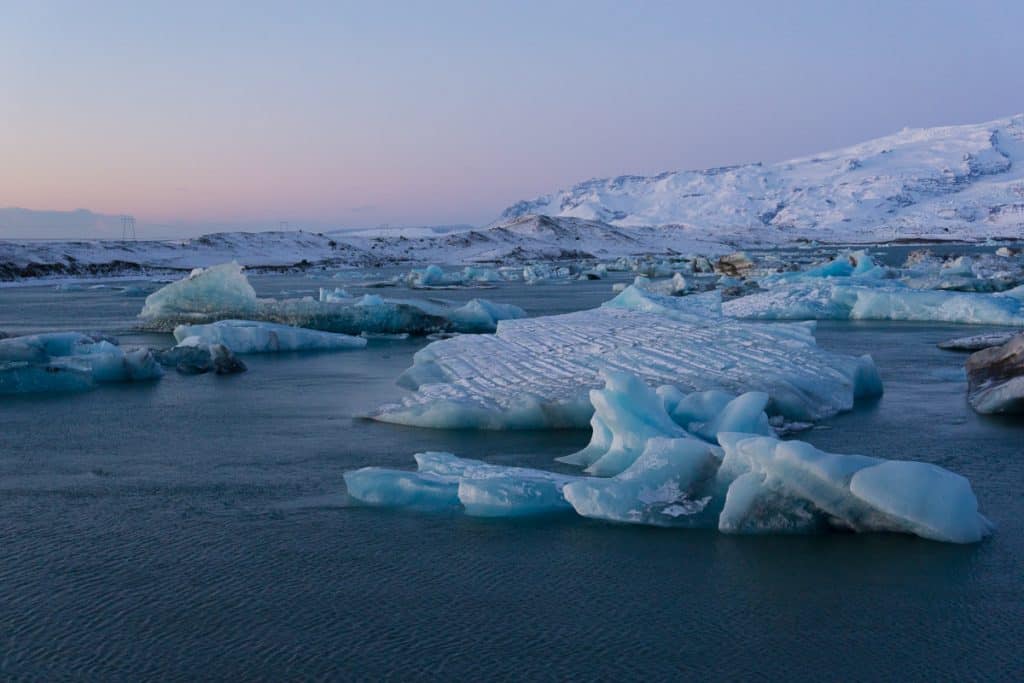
[128, 228]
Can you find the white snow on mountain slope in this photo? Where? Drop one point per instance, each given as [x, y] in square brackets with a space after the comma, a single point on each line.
[957, 182]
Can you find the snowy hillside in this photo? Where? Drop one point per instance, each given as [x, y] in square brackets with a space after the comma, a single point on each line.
[957, 182]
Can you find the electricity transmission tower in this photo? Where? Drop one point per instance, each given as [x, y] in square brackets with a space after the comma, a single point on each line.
[128, 228]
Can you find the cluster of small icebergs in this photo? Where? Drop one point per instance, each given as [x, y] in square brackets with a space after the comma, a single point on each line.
[701, 450]
[223, 292]
[70, 361]
[699, 460]
[995, 377]
[853, 287]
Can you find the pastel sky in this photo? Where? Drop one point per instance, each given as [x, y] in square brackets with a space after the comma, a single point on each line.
[197, 114]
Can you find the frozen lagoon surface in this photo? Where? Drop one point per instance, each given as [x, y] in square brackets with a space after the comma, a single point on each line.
[197, 528]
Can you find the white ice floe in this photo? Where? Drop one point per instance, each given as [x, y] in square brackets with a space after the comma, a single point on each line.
[223, 292]
[247, 336]
[536, 373]
[69, 361]
[663, 474]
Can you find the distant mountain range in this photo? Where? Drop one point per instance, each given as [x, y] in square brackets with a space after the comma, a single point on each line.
[962, 183]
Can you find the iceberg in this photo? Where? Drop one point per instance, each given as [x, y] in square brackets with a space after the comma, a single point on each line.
[193, 356]
[70, 361]
[536, 373]
[434, 277]
[995, 378]
[853, 287]
[658, 473]
[247, 336]
[224, 293]
[662, 487]
[444, 481]
[829, 300]
[977, 342]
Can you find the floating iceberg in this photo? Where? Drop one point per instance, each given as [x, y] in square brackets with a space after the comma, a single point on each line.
[857, 265]
[977, 342]
[247, 336]
[536, 373]
[674, 286]
[853, 287]
[666, 475]
[223, 292]
[69, 361]
[831, 300]
[995, 378]
[444, 481]
[434, 277]
[194, 356]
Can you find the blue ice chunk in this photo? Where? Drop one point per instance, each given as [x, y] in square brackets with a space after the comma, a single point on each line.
[248, 336]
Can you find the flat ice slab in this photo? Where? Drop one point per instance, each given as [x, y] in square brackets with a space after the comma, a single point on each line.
[536, 373]
[60, 362]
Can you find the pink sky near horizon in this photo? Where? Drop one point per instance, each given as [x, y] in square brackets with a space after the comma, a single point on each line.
[341, 114]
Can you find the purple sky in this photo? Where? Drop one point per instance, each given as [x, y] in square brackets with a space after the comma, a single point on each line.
[339, 114]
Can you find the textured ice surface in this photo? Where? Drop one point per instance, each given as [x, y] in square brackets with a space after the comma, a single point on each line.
[223, 292]
[665, 475]
[537, 372]
[790, 486]
[831, 300]
[247, 336]
[69, 361]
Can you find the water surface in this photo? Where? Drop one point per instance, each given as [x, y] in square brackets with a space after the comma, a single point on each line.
[197, 528]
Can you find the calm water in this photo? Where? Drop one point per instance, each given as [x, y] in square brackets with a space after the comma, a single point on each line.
[197, 528]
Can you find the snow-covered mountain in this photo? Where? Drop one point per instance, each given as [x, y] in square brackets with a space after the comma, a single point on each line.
[955, 182]
[961, 183]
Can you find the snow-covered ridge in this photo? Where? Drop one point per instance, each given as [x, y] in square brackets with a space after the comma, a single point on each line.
[956, 182]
